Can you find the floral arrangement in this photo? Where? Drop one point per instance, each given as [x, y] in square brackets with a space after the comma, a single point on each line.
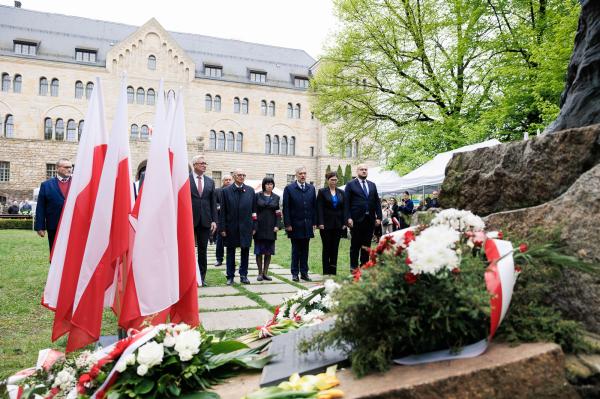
[163, 361]
[423, 289]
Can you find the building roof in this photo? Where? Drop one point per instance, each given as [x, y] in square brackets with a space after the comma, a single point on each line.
[58, 35]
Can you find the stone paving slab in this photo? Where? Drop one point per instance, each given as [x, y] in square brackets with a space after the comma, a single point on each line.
[254, 281]
[310, 284]
[225, 302]
[251, 272]
[274, 299]
[271, 288]
[230, 319]
[275, 266]
[280, 271]
[217, 291]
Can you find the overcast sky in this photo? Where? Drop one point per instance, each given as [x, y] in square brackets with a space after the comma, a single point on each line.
[302, 24]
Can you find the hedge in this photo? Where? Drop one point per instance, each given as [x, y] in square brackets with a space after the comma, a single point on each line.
[19, 224]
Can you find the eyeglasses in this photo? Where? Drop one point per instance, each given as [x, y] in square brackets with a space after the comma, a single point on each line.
[241, 175]
[200, 163]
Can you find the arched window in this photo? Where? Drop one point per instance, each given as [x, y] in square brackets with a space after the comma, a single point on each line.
[292, 147]
[263, 107]
[275, 145]
[284, 146]
[43, 87]
[144, 133]
[272, 108]
[171, 92]
[355, 149]
[9, 126]
[79, 89]
[245, 106]
[151, 62]
[5, 82]
[217, 103]
[135, 131]
[290, 111]
[239, 141]
[267, 144]
[212, 140]
[208, 102]
[236, 105]
[89, 88]
[47, 129]
[221, 141]
[71, 130]
[348, 152]
[141, 95]
[80, 129]
[54, 88]
[297, 111]
[230, 142]
[130, 95]
[59, 130]
[17, 83]
[150, 97]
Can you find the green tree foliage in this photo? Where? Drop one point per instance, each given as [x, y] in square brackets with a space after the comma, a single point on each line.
[347, 173]
[341, 180]
[419, 77]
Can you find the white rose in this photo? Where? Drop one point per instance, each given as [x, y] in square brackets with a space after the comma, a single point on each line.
[185, 355]
[120, 366]
[181, 327]
[142, 369]
[187, 344]
[150, 354]
[130, 359]
[169, 341]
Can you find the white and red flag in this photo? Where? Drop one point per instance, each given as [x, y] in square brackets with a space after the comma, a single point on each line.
[74, 226]
[186, 310]
[108, 240]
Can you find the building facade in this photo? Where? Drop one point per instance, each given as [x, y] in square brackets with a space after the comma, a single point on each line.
[247, 105]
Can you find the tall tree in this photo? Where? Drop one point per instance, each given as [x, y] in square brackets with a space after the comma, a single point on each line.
[341, 180]
[347, 173]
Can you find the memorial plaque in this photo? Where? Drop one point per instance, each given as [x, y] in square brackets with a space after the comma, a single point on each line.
[287, 358]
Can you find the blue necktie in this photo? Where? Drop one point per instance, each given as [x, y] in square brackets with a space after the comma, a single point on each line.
[364, 187]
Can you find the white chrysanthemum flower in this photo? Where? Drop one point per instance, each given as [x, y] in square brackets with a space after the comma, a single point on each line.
[330, 286]
[312, 315]
[433, 250]
[187, 344]
[459, 220]
[316, 299]
[169, 341]
[84, 360]
[328, 302]
[64, 379]
[142, 370]
[150, 354]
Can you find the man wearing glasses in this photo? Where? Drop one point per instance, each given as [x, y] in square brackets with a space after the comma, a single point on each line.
[204, 209]
[51, 199]
[237, 224]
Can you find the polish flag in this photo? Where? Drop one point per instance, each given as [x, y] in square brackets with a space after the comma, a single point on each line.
[152, 283]
[74, 226]
[186, 310]
[108, 239]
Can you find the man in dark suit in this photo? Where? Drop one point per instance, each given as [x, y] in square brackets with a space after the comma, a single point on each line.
[363, 212]
[220, 249]
[204, 209]
[300, 220]
[51, 200]
[237, 224]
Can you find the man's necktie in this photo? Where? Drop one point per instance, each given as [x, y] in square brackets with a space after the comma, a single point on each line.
[200, 186]
[302, 186]
[364, 187]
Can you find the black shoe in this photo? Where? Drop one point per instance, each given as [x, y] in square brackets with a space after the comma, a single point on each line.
[305, 277]
[229, 281]
[267, 277]
[244, 280]
[204, 284]
[295, 278]
[259, 277]
[217, 263]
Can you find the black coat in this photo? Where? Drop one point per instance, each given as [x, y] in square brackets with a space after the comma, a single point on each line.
[267, 216]
[300, 210]
[328, 216]
[357, 205]
[235, 217]
[204, 208]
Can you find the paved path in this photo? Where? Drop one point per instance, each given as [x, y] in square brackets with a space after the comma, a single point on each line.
[245, 306]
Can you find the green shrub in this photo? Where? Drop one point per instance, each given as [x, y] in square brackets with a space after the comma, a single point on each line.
[15, 224]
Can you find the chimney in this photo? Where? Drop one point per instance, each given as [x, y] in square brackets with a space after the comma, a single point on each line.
[17, 4]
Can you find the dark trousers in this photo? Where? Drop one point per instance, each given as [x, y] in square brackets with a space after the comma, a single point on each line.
[300, 256]
[202, 234]
[220, 250]
[331, 242]
[362, 235]
[244, 253]
[51, 236]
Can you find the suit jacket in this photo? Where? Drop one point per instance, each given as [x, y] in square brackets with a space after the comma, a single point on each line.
[238, 207]
[49, 205]
[204, 207]
[300, 210]
[328, 216]
[267, 216]
[357, 205]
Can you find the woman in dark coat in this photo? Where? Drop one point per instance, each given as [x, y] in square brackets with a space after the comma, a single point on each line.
[268, 216]
[330, 219]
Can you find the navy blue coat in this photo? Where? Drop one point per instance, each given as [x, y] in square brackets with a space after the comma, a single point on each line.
[50, 203]
[238, 206]
[357, 204]
[300, 210]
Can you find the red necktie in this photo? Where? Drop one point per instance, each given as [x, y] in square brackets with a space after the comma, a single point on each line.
[200, 187]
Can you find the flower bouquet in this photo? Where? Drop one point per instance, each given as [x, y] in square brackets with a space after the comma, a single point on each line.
[430, 288]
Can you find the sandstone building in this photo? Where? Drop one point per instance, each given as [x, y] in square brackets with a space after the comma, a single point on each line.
[247, 104]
